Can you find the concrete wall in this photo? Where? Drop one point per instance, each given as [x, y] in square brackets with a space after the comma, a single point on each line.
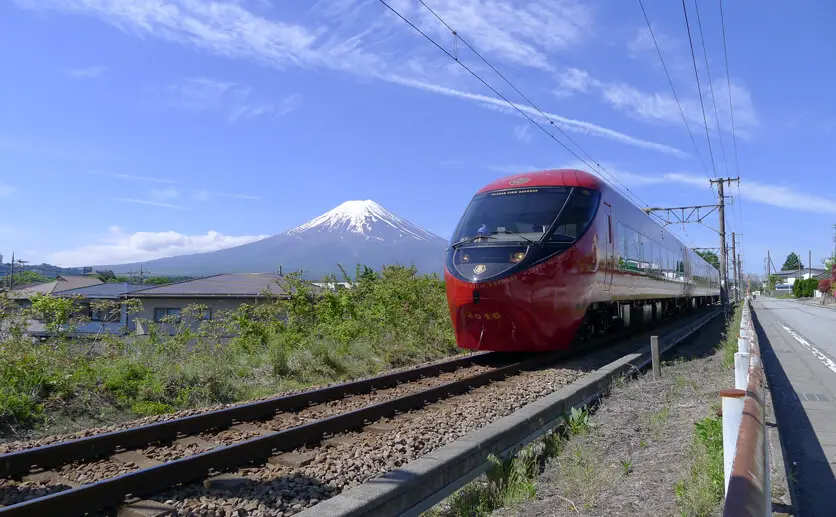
[214, 304]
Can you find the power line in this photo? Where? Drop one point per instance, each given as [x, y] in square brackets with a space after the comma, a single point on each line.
[728, 83]
[496, 92]
[670, 82]
[699, 89]
[524, 96]
[711, 87]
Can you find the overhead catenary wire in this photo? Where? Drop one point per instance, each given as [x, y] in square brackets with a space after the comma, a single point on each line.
[551, 135]
[711, 87]
[699, 88]
[458, 37]
[673, 90]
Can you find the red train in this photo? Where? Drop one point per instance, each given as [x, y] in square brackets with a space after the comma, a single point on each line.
[539, 259]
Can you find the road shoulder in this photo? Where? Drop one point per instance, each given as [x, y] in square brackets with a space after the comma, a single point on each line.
[802, 389]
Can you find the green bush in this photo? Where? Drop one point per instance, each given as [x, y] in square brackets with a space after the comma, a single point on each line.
[387, 319]
[805, 288]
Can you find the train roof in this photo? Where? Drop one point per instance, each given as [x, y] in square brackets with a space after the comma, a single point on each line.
[546, 178]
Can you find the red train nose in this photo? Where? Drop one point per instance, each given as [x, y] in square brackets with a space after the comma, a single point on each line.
[502, 324]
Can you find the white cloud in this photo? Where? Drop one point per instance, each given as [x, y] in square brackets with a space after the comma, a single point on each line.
[116, 247]
[662, 107]
[6, 190]
[523, 133]
[89, 72]
[164, 194]
[520, 35]
[782, 196]
[205, 94]
[132, 177]
[150, 202]
[567, 124]
[204, 195]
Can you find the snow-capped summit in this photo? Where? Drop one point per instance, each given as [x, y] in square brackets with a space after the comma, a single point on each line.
[366, 218]
[356, 232]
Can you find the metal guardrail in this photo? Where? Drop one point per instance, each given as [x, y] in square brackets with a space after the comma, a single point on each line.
[746, 471]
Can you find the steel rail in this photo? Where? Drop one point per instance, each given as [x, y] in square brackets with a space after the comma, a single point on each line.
[48, 456]
[112, 492]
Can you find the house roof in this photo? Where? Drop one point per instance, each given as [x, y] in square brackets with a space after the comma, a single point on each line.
[111, 290]
[796, 273]
[823, 275]
[59, 285]
[227, 285]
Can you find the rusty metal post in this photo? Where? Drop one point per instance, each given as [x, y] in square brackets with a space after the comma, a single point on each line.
[654, 354]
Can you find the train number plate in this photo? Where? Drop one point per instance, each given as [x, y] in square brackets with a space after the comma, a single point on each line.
[483, 315]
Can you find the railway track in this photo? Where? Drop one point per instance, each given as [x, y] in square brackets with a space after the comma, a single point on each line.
[153, 458]
[329, 413]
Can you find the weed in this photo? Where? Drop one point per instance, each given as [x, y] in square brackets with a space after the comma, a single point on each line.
[626, 466]
[702, 490]
[390, 318]
[660, 418]
[578, 421]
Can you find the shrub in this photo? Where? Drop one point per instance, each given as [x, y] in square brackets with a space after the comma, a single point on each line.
[825, 285]
[386, 319]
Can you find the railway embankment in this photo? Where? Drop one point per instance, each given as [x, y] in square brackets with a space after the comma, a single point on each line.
[651, 447]
[388, 320]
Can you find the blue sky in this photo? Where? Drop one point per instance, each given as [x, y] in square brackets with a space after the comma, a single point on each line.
[133, 129]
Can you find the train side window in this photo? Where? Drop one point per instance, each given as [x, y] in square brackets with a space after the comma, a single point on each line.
[576, 215]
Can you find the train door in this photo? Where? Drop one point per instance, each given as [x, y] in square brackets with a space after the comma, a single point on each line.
[611, 261]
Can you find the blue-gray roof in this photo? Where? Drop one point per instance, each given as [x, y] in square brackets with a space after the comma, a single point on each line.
[240, 285]
[103, 290]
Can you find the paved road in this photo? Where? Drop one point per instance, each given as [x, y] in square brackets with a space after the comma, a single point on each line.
[798, 343]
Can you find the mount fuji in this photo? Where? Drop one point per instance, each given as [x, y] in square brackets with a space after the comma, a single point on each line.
[355, 232]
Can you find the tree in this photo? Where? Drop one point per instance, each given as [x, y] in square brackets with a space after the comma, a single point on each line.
[106, 276]
[824, 286]
[829, 262]
[772, 281]
[793, 263]
[711, 258]
[24, 278]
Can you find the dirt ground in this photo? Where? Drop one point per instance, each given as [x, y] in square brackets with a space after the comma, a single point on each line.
[640, 442]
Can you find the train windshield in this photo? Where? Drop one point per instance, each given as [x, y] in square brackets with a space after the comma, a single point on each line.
[527, 214]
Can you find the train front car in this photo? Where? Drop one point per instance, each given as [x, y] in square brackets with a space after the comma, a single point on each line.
[523, 262]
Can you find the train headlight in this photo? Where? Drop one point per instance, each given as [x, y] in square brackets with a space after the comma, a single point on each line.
[464, 257]
[517, 256]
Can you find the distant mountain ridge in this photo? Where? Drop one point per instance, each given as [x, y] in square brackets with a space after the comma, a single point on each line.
[355, 232]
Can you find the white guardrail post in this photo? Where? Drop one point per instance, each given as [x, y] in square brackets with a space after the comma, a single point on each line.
[732, 415]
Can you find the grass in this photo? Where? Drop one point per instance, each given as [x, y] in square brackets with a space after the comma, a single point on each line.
[389, 319]
[728, 346]
[512, 481]
[701, 491]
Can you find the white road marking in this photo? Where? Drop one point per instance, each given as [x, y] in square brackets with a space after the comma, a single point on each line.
[816, 352]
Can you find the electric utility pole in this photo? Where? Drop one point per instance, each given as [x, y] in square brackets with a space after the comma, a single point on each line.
[697, 214]
[724, 272]
[734, 266]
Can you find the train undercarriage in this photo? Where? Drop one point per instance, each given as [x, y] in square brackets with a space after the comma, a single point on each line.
[605, 318]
